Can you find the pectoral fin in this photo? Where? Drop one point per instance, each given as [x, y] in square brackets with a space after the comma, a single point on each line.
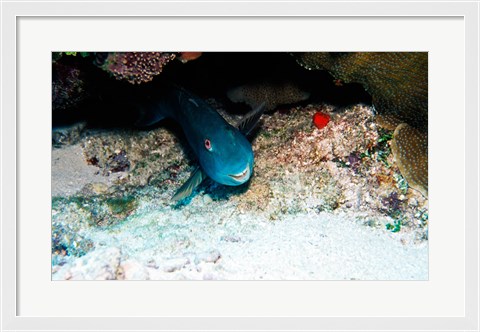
[250, 121]
[187, 188]
[148, 116]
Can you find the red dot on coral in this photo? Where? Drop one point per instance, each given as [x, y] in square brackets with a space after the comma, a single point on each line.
[320, 120]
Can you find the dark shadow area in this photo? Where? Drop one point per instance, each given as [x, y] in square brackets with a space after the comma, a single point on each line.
[106, 100]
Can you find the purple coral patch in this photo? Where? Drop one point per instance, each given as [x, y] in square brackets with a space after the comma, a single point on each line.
[136, 67]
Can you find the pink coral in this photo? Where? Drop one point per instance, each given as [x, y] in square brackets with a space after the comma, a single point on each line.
[136, 67]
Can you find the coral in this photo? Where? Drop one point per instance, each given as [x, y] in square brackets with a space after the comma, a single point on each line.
[348, 133]
[388, 121]
[410, 150]
[189, 56]
[68, 86]
[136, 67]
[320, 119]
[272, 93]
[397, 81]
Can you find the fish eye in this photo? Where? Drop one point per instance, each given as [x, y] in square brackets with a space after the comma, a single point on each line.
[208, 144]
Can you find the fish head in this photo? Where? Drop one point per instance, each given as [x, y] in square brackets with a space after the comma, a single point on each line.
[226, 156]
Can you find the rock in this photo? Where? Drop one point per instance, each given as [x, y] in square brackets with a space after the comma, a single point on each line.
[67, 135]
[174, 264]
[100, 264]
[96, 188]
[413, 202]
[208, 257]
[134, 270]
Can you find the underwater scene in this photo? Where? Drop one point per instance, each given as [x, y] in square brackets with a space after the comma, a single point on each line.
[239, 166]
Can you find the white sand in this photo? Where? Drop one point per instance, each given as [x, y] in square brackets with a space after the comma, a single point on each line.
[212, 242]
[70, 172]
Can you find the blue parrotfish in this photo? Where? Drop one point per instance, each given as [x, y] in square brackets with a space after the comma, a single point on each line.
[223, 151]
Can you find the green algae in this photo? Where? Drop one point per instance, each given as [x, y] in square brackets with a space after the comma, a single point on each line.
[382, 150]
[401, 183]
[99, 210]
[75, 217]
[58, 55]
[122, 206]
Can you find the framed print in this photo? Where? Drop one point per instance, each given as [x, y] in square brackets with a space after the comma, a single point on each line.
[239, 166]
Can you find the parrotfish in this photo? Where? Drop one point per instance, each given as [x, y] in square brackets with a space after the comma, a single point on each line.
[224, 153]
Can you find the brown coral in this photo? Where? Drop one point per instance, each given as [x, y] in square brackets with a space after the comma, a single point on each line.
[136, 67]
[189, 56]
[397, 81]
[272, 93]
[410, 150]
[388, 121]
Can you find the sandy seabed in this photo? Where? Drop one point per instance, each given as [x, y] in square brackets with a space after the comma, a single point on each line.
[170, 245]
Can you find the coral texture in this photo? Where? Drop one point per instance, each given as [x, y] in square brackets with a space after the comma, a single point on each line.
[136, 67]
[410, 149]
[397, 81]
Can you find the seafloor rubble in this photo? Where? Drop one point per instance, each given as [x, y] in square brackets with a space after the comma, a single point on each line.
[327, 203]
[398, 83]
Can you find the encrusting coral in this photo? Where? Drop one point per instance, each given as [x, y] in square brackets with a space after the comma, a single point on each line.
[398, 83]
[410, 150]
[272, 93]
[136, 67]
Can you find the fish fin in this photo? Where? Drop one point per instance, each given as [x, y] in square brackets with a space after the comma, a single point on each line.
[250, 121]
[187, 188]
[148, 117]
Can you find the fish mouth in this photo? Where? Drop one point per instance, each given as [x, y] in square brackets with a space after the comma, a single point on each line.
[242, 176]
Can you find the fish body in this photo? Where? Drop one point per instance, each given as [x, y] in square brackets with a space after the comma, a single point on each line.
[223, 151]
